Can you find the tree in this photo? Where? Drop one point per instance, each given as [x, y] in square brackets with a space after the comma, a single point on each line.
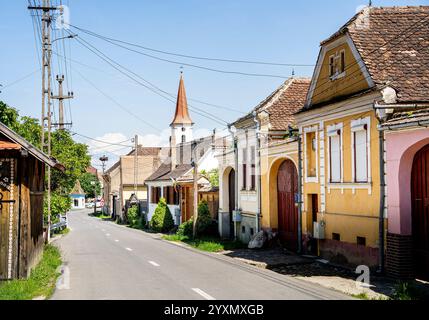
[9, 116]
[85, 182]
[74, 156]
[212, 176]
[60, 204]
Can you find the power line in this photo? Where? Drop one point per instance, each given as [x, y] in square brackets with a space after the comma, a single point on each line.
[194, 57]
[116, 102]
[112, 75]
[101, 141]
[117, 66]
[181, 63]
[20, 79]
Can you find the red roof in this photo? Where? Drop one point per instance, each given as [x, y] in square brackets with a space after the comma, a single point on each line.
[6, 145]
[182, 115]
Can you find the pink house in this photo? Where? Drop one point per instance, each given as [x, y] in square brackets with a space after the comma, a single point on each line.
[407, 179]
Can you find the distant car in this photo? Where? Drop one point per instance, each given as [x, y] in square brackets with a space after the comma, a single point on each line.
[90, 205]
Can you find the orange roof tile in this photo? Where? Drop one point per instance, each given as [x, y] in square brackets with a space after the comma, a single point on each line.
[6, 145]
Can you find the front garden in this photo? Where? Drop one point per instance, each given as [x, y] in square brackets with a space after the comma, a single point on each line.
[206, 230]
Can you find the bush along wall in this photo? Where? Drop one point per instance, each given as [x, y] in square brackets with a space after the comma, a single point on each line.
[162, 220]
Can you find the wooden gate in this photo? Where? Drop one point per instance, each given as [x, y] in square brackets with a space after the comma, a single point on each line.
[420, 212]
[287, 187]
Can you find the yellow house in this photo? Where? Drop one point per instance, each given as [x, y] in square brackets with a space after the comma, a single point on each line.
[340, 142]
[374, 65]
[279, 160]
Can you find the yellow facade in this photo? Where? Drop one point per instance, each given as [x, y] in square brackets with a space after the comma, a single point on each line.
[333, 160]
[272, 156]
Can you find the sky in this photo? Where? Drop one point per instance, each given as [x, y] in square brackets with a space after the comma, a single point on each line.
[108, 106]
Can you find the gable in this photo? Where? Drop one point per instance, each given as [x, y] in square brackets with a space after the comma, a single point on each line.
[340, 72]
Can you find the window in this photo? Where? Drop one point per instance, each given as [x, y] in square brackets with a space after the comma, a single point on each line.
[361, 241]
[253, 169]
[183, 138]
[244, 166]
[155, 194]
[243, 229]
[311, 151]
[342, 61]
[335, 153]
[331, 66]
[360, 150]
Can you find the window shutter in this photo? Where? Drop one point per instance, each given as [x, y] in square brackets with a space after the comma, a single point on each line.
[361, 156]
[335, 158]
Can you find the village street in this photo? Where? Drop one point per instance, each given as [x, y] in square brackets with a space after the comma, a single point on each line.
[107, 261]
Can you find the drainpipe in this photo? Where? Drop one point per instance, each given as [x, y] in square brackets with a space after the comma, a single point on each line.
[299, 194]
[382, 204]
[235, 175]
[258, 173]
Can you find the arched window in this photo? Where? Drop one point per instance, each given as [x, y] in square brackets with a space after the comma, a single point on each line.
[183, 138]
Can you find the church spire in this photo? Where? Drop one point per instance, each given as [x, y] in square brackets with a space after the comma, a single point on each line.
[181, 116]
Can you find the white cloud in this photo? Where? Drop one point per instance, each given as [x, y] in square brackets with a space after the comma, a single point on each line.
[113, 152]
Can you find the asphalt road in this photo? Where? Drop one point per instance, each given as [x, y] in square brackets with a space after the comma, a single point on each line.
[103, 260]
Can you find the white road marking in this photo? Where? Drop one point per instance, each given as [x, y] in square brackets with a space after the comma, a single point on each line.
[129, 249]
[203, 294]
[116, 240]
[154, 263]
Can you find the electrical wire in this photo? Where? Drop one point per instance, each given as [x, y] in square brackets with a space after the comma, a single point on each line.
[181, 63]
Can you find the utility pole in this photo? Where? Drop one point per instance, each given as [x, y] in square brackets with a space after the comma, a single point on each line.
[60, 97]
[46, 89]
[195, 178]
[136, 151]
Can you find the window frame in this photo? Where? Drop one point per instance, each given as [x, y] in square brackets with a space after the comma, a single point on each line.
[358, 125]
[307, 178]
[332, 130]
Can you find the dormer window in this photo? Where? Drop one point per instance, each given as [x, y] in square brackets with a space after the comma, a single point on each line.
[337, 65]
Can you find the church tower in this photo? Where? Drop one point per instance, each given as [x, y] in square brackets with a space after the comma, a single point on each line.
[181, 126]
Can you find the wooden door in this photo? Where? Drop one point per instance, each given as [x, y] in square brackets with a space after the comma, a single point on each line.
[231, 194]
[287, 187]
[7, 203]
[420, 212]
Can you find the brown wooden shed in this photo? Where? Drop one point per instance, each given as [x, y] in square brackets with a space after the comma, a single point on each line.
[22, 176]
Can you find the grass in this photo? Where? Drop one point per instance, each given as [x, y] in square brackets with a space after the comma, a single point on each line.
[406, 291]
[209, 244]
[362, 296]
[41, 281]
[64, 231]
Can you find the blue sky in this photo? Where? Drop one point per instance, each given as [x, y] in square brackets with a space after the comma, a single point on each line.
[270, 30]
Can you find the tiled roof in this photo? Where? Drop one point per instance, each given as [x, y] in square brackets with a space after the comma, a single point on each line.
[394, 45]
[283, 103]
[7, 145]
[290, 99]
[145, 151]
[407, 117]
[164, 172]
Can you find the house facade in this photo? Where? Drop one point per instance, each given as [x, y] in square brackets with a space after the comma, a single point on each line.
[77, 196]
[343, 197]
[256, 150]
[119, 180]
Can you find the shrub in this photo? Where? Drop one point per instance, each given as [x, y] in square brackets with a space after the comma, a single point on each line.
[133, 216]
[162, 221]
[204, 219]
[60, 204]
[185, 229]
[142, 222]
